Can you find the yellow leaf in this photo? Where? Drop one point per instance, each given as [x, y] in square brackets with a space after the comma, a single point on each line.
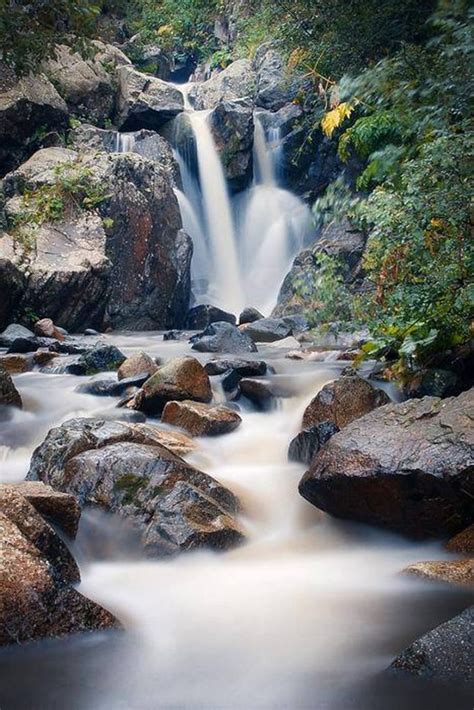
[334, 118]
[164, 30]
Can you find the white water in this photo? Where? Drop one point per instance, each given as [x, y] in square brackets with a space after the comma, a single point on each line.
[244, 245]
[306, 615]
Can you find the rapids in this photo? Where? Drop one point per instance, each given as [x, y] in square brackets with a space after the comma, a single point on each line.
[306, 615]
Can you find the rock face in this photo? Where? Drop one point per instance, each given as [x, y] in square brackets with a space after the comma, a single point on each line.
[201, 419]
[453, 571]
[9, 396]
[338, 240]
[275, 86]
[342, 401]
[232, 127]
[223, 338]
[145, 101]
[136, 365]
[180, 379]
[123, 468]
[445, 653]
[87, 87]
[200, 317]
[405, 466]
[25, 107]
[307, 443]
[125, 264]
[36, 573]
[235, 82]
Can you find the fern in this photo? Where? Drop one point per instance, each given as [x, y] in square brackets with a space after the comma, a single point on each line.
[333, 119]
[370, 133]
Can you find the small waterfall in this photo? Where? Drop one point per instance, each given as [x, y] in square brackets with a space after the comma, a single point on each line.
[124, 142]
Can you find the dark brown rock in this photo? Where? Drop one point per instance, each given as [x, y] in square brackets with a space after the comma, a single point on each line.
[463, 541]
[405, 466]
[201, 419]
[343, 401]
[445, 653]
[181, 378]
[8, 393]
[15, 364]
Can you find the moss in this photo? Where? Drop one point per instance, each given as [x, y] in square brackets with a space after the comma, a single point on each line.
[129, 485]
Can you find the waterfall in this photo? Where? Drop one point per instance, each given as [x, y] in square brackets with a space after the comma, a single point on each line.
[243, 245]
[124, 142]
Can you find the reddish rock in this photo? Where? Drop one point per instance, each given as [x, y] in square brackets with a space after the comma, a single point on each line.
[463, 541]
[459, 572]
[201, 419]
[45, 328]
[136, 365]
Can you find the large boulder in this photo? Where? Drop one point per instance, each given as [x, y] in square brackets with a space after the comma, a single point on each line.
[87, 85]
[408, 467]
[340, 402]
[200, 419]
[180, 379]
[232, 127]
[203, 315]
[445, 653]
[9, 396]
[223, 337]
[124, 469]
[145, 101]
[237, 81]
[12, 332]
[250, 315]
[26, 106]
[36, 574]
[61, 509]
[125, 263]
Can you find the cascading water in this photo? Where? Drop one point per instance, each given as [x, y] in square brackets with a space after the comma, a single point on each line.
[244, 244]
[124, 142]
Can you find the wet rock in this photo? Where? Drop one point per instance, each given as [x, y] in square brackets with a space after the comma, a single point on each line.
[200, 317]
[12, 332]
[123, 468]
[259, 392]
[91, 332]
[445, 653]
[137, 365]
[145, 101]
[308, 442]
[237, 81]
[9, 396]
[72, 346]
[233, 130]
[285, 343]
[43, 357]
[85, 84]
[201, 419]
[115, 414]
[180, 379]
[405, 466]
[459, 572]
[250, 315]
[172, 335]
[230, 381]
[61, 509]
[267, 330]
[26, 106]
[99, 359]
[463, 541]
[45, 328]
[347, 398]
[245, 368]
[36, 572]
[112, 388]
[223, 338]
[30, 345]
[16, 364]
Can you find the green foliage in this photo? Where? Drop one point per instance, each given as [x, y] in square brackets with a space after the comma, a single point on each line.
[337, 202]
[221, 58]
[29, 30]
[72, 190]
[325, 295]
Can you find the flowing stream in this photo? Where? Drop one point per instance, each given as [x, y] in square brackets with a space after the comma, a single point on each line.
[307, 614]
